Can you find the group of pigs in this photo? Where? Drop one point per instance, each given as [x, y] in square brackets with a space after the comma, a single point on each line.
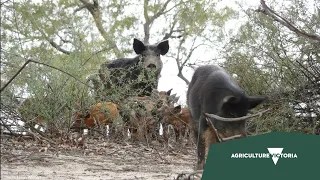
[215, 102]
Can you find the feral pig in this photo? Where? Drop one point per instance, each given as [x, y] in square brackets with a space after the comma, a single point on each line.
[143, 112]
[100, 114]
[153, 103]
[179, 118]
[136, 76]
[212, 90]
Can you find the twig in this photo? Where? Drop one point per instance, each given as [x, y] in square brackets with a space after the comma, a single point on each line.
[214, 129]
[95, 53]
[161, 156]
[182, 175]
[6, 126]
[40, 137]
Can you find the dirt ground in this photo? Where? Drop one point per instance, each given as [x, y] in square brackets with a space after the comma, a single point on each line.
[101, 159]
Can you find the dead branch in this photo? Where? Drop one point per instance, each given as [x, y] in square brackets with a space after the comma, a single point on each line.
[97, 17]
[28, 61]
[6, 126]
[236, 119]
[187, 176]
[220, 139]
[40, 136]
[269, 12]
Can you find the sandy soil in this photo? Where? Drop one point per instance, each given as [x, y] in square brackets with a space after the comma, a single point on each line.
[99, 160]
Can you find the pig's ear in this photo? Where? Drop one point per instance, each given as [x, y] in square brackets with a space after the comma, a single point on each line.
[255, 101]
[169, 92]
[163, 47]
[138, 46]
[177, 109]
[176, 99]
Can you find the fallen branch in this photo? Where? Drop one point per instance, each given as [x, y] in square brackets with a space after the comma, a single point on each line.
[236, 119]
[187, 176]
[40, 137]
[220, 139]
[6, 126]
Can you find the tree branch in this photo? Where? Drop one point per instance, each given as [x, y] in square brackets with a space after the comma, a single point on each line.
[51, 42]
[146, 25]
[160, 12]
[96, 14]
[1, 4]
[269, 12]
[63, 40]
[27, 62]
[150, 20]
[55, 45]
[79, 9]
[181, 2]
[172, 30]
[183, 64]
[180, 75]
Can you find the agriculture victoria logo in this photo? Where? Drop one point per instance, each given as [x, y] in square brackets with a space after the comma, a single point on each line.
[274, 153]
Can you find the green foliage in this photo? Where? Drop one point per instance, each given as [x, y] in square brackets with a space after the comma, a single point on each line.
[65, 35]
[267, 57]
[270, 59]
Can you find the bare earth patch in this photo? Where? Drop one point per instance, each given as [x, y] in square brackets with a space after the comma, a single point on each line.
[99, 160]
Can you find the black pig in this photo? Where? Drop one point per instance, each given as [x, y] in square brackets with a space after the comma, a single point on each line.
[136, 76]
[212, 90]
